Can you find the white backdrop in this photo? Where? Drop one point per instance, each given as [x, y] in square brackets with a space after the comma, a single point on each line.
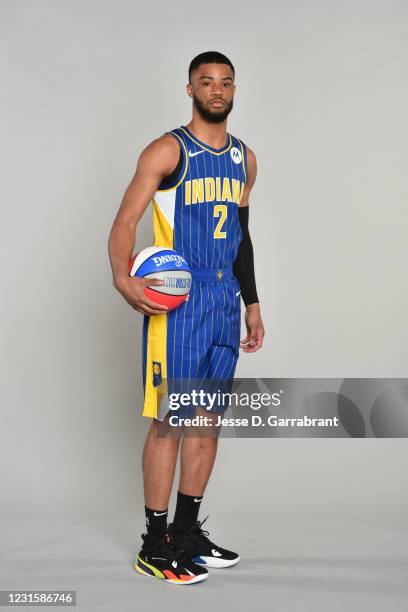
[321, 99]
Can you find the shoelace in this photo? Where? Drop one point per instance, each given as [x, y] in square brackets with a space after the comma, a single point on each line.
[166, 547]
[198, 529]
[202, 533]
[199, 534]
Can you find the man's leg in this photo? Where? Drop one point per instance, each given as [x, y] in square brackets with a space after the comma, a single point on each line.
[198, 454]
[159, 463]
[158, 557]
[197, 457]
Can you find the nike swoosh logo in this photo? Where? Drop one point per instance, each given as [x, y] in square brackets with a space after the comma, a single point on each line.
[191, 154]
[188, 571]
[196, 499]
[237, 293]
[216, 553]
[159, 513]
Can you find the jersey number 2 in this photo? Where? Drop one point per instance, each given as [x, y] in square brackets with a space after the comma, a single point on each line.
[220, 210]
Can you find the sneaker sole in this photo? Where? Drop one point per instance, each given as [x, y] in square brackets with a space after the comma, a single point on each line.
[215, 562]
[194, 579]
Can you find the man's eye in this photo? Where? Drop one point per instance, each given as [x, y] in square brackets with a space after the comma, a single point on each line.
[205, 82]
[227, 84]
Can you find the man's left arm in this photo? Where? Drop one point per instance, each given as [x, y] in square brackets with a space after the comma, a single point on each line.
[244, 268]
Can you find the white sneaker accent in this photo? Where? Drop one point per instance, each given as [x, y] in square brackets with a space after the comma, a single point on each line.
[174, 563]
[216, 553]
[216, 562]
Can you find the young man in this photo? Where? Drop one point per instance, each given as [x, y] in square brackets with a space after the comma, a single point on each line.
[199, 178]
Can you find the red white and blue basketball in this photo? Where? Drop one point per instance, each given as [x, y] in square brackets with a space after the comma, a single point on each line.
[167, 265]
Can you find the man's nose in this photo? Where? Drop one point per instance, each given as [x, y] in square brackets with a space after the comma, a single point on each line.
[216, 88]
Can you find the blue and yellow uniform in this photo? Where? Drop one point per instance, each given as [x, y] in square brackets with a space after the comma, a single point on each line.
[195, 212]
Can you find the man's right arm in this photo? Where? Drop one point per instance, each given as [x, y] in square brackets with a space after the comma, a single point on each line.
[157, 161]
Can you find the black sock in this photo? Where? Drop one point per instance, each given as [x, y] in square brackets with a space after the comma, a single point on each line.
[186, 511]
[156, 522]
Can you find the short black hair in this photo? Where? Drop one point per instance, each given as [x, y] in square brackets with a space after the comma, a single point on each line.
[209, 57]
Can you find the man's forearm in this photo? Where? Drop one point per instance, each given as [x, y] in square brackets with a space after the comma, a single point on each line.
[120, 246]
[243, 267]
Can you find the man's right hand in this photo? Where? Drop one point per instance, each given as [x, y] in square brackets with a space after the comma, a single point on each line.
[132, 288]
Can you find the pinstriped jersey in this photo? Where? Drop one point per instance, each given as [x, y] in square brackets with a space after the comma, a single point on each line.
[197, 215]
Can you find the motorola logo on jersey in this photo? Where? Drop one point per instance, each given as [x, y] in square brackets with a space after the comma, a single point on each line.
[236, 155]
[162, 259]
[211, 189]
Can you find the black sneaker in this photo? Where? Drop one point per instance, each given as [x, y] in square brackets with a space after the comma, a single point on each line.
[200, 549]
[162, 559]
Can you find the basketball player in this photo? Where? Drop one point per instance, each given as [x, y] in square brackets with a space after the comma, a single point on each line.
[199, 178]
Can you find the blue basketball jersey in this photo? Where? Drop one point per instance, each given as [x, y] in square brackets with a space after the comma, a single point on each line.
[197, 215]
[195, 212]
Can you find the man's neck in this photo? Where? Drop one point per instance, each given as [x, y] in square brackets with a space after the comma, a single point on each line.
[213, 134]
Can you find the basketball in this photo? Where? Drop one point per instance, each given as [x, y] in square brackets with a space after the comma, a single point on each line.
[167, 265]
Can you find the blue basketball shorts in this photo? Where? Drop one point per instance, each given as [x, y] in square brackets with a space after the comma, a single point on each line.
[198, 340]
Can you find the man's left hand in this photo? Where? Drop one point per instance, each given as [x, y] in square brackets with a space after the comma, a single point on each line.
[255, 329]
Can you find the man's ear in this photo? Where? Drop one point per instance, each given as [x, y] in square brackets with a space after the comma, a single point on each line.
[189, 90]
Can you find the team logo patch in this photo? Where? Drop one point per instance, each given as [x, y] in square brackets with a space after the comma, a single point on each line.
[157, 373]
[236, 155]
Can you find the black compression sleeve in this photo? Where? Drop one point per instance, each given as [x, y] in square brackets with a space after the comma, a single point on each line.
[243, 267]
